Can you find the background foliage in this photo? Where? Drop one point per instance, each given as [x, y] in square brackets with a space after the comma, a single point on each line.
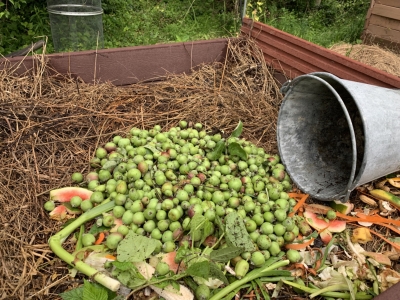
[330, 22]
[144, 22]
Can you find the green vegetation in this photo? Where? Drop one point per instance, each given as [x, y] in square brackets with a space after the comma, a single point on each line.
[145, 22]
[331, 22]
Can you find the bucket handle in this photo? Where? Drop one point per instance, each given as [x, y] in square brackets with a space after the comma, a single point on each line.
[285, 87]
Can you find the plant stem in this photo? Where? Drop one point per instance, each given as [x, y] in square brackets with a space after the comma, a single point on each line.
[249, 277]
[276, 279]
[55, 243]
[343, 295]
[149, 283]
[331, 288]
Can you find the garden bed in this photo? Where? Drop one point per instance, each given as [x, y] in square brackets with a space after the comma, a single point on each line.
[53, 122]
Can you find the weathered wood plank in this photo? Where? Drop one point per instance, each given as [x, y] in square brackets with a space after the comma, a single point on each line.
[293, 56]
[386, 11]
[124, 66]
[384, 22]
[394, 3]
[384, 33]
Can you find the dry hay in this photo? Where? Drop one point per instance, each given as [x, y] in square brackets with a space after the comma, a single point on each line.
[374, 56]
[50, 127]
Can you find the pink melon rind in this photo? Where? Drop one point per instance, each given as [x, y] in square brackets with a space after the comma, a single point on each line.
[117, 223]
[326, 236]
[314, 221]
[337, 226]
[72, 210]
[66, 193]
[59, 213]
[169, 258]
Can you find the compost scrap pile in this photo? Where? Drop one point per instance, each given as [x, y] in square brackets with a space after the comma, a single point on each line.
[178, 186]
[51, 126]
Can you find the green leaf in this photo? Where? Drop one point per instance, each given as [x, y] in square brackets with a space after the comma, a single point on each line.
[199, 269]
[109, 165]
[135, 248]
[235, 149]
[225, 254]
[123, 266]
[175, 285]
[128, 274]
[95, 229]
[238, 130]
[215, 272]
[129, 280]
[236, 233]
[75, 294]
[153, 150]
[94, 292]
[200, 225]
[218, 150]
[218, 222]
[122, 151]
[197, 224]
[208, 229]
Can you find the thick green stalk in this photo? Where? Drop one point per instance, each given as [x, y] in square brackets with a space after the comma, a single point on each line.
[343, 295]
[331, 288]
[249, 277]
[55, 243]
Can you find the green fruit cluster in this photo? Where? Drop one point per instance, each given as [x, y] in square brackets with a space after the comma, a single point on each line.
[160, 180]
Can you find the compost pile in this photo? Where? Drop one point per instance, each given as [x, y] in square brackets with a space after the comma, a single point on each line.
[372, 55]
[50, 126]
[175, 185]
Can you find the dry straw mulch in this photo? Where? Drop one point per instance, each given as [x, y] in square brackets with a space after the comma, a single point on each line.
[372, 55]
[50, 127]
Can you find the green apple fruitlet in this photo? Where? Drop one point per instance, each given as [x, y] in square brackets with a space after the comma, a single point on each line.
[182, 187]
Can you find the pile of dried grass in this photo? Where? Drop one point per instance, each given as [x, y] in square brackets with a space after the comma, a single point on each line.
[50, 127]
[374, 56]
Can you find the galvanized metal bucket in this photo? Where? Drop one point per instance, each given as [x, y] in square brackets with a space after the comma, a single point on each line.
[334, 134]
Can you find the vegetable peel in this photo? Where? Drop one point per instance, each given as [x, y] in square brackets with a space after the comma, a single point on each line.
[344, 208]
[386, 196]
[325, 228]
[379, 257]
[66, 193]
[58, 213]
[361, 235]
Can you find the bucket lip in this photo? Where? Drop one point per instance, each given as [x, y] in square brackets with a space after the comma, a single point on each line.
[357, 176]
[59, 9]
[289, 85]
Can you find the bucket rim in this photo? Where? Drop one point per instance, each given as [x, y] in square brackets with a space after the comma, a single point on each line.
[58, 10]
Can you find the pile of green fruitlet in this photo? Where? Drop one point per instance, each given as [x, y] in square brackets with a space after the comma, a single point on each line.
[207, 211]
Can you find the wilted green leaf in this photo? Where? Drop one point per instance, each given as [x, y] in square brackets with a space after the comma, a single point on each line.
[218, 150]
[135, 248]
[238, 130]
[74, 294]
[91, 292]
[236, 233]
[225, 254]
[215, 272]
[235, 149]
[152, 149]
[109, 165]
[199, 269]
